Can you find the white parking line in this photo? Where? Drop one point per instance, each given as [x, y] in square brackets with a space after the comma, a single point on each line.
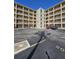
[21, 46]
[28, 47]
[39, 42]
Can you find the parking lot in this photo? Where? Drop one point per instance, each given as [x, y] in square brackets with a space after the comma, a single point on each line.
[50, 46]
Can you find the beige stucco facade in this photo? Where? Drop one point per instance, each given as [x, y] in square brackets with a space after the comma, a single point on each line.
[25, 17]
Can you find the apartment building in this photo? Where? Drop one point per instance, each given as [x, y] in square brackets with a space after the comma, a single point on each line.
[40, 18]
[25, 17]
[55, 16]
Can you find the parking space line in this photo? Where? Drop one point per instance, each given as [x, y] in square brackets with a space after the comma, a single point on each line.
[28, 47]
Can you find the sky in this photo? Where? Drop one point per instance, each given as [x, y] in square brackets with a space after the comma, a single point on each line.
[35, 4]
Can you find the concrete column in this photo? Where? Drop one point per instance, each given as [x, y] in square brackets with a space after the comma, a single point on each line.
[28, 18]
[23, 15]
[53, 17]
[23, 18]
[61, 15]
[15, 16]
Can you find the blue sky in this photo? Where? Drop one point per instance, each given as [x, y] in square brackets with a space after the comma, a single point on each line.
[35, 4]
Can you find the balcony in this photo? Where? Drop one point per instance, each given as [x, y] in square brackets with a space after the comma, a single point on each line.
[15, 7]
[25, 16]
[25, 12]
[30, 18]
[25, 25]
[19, 26]
[63, 25]
[19, 9]
[31, 15]
[50, 13]
[34, 25]
[20, 13]
[25, 9]
[50, 9]
[63, 11]
[51, 17]
[58, 25]
[46, 14]
[25, 21]
[19, 23]
[15, 12]
[57, 17]
[19, 6]
[57, 9]
[63, 20]
[31, 12]
[19, 18]
[34, 18]
[50, 20]
[34, 15]
[58, 21]
[14, 17]
[63, 6]
[31, 24]
[14, 22]
[63, 16]
[30, 21]
[57, 13]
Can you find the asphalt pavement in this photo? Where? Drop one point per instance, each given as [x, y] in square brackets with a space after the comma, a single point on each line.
[52, 48]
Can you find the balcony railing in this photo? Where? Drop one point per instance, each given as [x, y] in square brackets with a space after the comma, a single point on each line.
[57, 17]
[15, 7]
[19, 8]
[14, 12]
[63, 16]
[19, 18]
[19, 23]
[63, 22]
[57, 8]
[63, 6]
[20, 13]
[25, 22]
[63, 11]
[57, 13]
[26, 15]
